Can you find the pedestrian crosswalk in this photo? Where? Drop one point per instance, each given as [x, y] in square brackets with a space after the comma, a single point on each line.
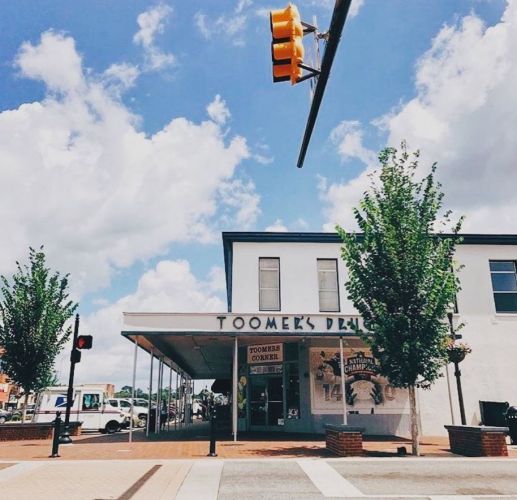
[254, 479]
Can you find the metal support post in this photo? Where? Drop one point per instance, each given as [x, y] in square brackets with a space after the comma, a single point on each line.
[182, 391]
[131, 416]
[65, 437]
[457, 374]
[211, 452]
[176, 403]
[158, 398]
[234, 391]
[449, 392]
[169, 400]
[343, 384]
[148, 426]
[55, 436]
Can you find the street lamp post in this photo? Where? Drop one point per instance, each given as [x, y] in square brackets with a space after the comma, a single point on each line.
[457, 374]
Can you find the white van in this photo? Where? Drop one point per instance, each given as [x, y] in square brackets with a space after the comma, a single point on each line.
[91, 407]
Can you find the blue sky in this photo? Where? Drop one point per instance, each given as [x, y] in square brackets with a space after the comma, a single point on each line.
[119, 157]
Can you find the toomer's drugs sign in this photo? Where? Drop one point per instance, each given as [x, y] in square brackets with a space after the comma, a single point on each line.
[269, 353]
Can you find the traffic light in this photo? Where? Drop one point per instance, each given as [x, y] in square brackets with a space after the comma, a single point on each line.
[84, 342]
[287, 50]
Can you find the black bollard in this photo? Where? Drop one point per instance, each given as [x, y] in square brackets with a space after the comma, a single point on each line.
[55, 437]
[212, 452]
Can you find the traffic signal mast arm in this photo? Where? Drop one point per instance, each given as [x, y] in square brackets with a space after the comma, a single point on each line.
[334, 35]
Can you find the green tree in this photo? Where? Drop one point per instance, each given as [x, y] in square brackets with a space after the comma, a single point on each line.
[34, 308]
[402, 278]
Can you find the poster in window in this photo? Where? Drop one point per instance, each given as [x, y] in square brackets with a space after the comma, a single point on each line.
[365, 390]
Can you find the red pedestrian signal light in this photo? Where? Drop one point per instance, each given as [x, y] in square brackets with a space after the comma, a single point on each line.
[287, 50]
[84, 342]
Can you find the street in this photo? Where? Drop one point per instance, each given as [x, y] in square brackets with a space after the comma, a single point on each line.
[306, 478]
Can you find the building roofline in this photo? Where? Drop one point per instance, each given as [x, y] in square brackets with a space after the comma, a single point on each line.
[285, 237]
[231, 237]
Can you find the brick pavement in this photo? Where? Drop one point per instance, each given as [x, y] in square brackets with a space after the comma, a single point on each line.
[193, 443]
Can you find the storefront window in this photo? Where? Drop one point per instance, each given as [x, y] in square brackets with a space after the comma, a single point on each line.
[293, 391]
[291, 351]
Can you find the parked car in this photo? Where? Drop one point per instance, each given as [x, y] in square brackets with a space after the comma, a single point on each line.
[5, 416]
[140, 411]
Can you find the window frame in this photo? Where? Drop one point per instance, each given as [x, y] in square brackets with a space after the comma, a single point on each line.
[98, 402]
[338, 310]
[505, 292]
[279, 285]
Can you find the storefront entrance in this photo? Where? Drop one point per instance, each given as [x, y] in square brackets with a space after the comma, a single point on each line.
[266, 402]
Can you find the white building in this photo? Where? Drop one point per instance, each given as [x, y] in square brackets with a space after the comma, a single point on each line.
[288, 309]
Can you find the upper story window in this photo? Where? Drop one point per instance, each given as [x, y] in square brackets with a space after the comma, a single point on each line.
[504, 285]
[328, 287]
[269, 284]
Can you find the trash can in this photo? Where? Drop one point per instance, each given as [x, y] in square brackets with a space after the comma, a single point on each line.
[511, 421]
[152, 420]
[493, 413]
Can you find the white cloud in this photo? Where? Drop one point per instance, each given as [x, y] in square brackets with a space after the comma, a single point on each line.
[170, 286]
[218, 111]
[121, 76]
[355, 6]
[242, 198]
[277, 227]
[231, 25]
[54, 60]
[152, 23]
[461, 116]
[348, 138]
[81, 177]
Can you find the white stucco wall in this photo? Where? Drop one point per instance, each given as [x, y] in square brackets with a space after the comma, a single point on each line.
[488, 372]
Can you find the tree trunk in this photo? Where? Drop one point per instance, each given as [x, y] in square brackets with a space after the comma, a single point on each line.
[415, 437]
[24, 411]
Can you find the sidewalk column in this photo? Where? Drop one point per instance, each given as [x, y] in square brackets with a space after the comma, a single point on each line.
[147, 427]
[169, 399]
[182, 392]
[133, 394]
[234, 392]
[176, 401]
[158, 397]
[343, 384]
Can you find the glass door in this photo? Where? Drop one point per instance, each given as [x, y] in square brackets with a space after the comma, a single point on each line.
[266, 402]
[258, 401]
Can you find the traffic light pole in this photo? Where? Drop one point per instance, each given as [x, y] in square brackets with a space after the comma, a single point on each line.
[65, 436]
[336, 27]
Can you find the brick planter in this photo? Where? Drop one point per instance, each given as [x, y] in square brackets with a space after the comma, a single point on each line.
[22, 432]
[344, 440]
[478, 441]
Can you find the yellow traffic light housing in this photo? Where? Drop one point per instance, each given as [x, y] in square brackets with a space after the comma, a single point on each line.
[287, 50]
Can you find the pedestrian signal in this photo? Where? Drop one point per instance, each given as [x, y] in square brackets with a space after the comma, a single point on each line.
[84, 342]
[287, 50]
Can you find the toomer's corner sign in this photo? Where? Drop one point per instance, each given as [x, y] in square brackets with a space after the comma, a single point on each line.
[273, 324]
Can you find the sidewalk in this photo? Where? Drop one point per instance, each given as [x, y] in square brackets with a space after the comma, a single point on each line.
[193, 443]
[259, 479]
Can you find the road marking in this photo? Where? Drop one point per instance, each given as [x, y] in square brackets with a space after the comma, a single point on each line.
[17, 469]
[451, 497]
[131, 491]
[202, 482]
[328, 480]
